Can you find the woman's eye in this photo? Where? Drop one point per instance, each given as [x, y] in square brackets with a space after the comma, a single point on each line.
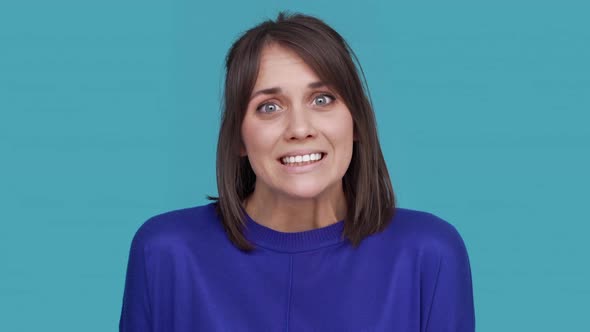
[323, 99]
[268, 108]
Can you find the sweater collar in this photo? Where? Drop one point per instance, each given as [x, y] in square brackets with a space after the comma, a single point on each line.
[292, 242]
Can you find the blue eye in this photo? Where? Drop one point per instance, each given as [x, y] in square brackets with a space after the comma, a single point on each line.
[268, 108]
[323, 99]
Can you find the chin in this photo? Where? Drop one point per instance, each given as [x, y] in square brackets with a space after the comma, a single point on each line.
[304, 193]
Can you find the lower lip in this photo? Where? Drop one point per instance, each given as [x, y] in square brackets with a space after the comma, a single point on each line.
[302, 169]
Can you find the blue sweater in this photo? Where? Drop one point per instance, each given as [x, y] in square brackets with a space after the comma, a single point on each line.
[184, 274]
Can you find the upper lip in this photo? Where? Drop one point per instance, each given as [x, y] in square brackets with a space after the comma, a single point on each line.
[299, 153]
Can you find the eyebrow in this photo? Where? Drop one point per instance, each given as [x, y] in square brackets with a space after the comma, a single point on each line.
[275, 90]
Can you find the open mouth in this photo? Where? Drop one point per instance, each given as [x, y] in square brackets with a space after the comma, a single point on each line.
[309, 159]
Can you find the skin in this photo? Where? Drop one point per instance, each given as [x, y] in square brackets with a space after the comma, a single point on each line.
[296, 117]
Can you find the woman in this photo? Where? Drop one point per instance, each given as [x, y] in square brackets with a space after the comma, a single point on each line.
[305, 234]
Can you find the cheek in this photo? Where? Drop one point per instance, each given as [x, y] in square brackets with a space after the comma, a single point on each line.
[258, 140]
[341, 129]
[342, 137]
[249, 135]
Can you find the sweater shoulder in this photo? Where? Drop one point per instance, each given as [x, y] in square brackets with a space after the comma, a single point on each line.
[424, 230]
[178, 227]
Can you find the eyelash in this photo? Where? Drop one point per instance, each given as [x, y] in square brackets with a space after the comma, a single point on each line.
[259, 108]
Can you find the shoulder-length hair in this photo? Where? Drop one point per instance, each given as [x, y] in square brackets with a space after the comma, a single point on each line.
[367, 187]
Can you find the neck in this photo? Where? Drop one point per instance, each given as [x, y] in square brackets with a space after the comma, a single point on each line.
[289, 214]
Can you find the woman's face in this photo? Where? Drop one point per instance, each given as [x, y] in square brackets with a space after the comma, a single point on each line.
[291, 113]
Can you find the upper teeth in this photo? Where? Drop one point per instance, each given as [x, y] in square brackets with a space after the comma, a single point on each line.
[303, 158]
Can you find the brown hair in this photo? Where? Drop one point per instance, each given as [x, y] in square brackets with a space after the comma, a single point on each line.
[367, 187]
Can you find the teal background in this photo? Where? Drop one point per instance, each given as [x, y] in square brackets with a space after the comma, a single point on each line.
[109, 114]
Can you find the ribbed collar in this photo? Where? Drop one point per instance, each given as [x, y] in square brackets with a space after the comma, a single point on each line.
[293, 242]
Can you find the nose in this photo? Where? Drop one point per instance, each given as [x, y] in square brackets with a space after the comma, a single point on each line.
[300, 123]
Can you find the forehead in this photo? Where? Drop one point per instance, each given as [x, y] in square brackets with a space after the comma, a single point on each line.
[281, 64]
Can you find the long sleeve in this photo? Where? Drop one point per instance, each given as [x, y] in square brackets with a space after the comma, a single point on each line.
[136, 312]
[452, 307]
